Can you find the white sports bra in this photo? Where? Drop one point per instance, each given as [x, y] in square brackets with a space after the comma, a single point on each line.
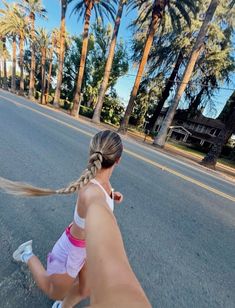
[80, 222]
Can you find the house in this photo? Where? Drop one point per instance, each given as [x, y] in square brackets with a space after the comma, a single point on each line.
[199, 129]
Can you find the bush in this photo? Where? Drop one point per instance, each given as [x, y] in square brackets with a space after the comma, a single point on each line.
[112, 110]
[86, 111]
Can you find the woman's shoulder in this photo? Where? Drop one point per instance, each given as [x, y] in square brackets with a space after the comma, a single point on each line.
[90, 192]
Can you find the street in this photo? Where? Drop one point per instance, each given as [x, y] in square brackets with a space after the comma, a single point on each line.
[177, 220]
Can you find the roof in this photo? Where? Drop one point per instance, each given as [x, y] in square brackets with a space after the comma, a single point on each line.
[181, 127]
[182, 114]
[202, 120]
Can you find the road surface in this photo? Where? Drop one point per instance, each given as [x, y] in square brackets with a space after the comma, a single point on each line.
[177, 220]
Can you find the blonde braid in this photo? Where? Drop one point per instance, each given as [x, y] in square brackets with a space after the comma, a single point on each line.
[95, 164]
[105, 149]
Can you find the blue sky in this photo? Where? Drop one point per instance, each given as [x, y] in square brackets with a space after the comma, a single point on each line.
[74, 26]
[125, 83]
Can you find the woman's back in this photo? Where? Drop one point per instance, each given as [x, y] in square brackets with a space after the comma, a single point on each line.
[91, 190]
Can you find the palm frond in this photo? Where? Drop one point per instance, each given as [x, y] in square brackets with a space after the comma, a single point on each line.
[78, 9]
[142, 18]
[231, 4]
[183, 12]
[102, 8]
[108, 8]
[192, 6]
[174, 19]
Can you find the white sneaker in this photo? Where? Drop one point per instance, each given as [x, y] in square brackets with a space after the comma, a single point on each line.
[25, 248]
[57, 304]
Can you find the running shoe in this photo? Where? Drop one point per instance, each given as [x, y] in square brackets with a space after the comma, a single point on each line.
[25, 248]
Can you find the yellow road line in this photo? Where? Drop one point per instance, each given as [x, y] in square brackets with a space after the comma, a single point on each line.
[182, 176]
[149, 161]
[48, 116]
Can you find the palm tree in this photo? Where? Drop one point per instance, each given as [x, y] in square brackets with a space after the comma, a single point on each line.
[53, 44]
[32, 8]
[43, 41]
[109, 62]
[13, 77]
[176, 8]
[5, 86]
[228, 117]
[84, 8]
[161, 137]
[64, 5]
[11, 33]
[1, 52]
[15, 22]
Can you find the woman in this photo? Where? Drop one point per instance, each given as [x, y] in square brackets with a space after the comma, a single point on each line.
[65, 276]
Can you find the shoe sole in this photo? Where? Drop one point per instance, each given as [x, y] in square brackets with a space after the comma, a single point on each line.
[20, 249]
[57, 304]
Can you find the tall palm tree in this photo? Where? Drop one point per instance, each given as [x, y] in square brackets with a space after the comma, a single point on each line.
[161, 137]
[43, 41]
[15, 22]
[50, 59]
[5, 86]
[176, 9]
[109, 62]
[85, 8]
[32, 8]
[13, 77]
[1, 52]
[64, 6]
[11, 33]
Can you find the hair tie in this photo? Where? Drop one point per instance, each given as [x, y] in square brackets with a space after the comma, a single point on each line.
[98, 152]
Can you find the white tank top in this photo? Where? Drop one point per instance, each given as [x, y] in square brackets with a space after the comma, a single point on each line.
[80, 222]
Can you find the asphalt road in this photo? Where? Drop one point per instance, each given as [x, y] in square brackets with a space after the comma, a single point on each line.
[177, 220]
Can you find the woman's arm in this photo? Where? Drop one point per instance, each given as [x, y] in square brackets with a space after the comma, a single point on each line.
[111, 279]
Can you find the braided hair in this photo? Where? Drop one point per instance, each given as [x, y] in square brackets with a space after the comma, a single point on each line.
[105, 150]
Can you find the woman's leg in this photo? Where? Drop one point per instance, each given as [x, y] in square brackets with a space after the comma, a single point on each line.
[54, 286]
[78, 291]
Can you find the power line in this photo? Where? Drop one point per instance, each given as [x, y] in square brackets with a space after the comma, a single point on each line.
[173, 81]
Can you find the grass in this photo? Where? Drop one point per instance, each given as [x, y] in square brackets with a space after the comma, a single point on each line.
[186, 149]
[227, 162]
[222, 160]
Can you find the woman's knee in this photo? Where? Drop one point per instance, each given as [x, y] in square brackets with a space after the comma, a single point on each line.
[59, 286]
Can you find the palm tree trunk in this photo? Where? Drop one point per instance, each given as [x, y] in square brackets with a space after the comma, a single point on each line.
[77, 96]
[5, 74]
[21, 65]
[108, 67]
[13, 78]
[61, 53]
[212, 156]
[49, 73]
[0, 73]
[166, 92]
[5, 86]
[162, 135]
[158, 9]
[33, 58]
[43, 79]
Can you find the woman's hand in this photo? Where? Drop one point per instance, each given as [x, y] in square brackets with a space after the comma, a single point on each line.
[118, 197]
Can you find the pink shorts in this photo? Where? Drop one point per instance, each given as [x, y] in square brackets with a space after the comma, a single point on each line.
[68, 255]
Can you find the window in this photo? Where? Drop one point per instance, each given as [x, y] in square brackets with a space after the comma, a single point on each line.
[213, 132]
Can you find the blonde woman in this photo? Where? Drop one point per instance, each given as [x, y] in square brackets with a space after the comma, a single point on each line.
[65, 276]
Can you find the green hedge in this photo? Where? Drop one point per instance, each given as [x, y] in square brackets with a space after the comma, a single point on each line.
[86, 111]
